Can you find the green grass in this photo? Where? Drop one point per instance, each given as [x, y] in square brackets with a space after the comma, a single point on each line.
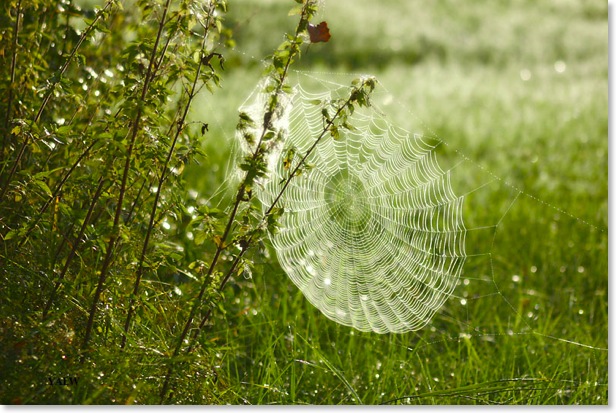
[528, 323]
[534, 326]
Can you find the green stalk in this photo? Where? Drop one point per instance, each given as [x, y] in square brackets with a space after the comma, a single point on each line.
[161, 180]
[73, 252]
[238, 200]
[48, 96]
[9, 105]
[249, 241]
[116, 221]
[55, 193]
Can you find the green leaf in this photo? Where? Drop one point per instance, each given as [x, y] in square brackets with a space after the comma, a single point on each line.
[11, 234]
[246, 119]
[43, 186]
[200, 237]
[325, 113]
[295, 10]
[335, 132]
[44, 174]
[81, 59]
[348, 126]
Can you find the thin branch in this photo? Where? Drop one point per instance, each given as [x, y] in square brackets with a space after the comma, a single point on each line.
[116, 221]
[55, 193]
[49, 94]
[162, 178]
[12, 79]
[240, 197]
[76, 243]
[249, 241]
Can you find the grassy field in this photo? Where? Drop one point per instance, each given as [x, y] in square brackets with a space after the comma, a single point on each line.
[517, 93]
[521, 91]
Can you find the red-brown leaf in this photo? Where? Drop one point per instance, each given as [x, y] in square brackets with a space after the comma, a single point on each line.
[319, 33]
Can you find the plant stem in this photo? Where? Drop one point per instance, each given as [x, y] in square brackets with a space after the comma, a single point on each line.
[116, 221]
[238, 200]
[48, 95]
[281, 81]
[7, 122]
[135, 205]
[55, 193]
[73, 252]
[293, 173]
[163, 177]
[68, 61]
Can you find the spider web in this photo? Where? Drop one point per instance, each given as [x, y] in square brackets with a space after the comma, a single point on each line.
[377, 233]
[530, 298]
[372, 234]
[511, 265]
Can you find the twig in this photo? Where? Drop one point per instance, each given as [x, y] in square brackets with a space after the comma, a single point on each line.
[116, 221]
[161, 180]
[48, 96]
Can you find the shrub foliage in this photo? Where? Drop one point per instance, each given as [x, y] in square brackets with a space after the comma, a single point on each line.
[110, 269]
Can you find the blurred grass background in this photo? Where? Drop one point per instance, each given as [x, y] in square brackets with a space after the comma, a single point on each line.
[521, 89]
[517, 91]
[481, 76]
